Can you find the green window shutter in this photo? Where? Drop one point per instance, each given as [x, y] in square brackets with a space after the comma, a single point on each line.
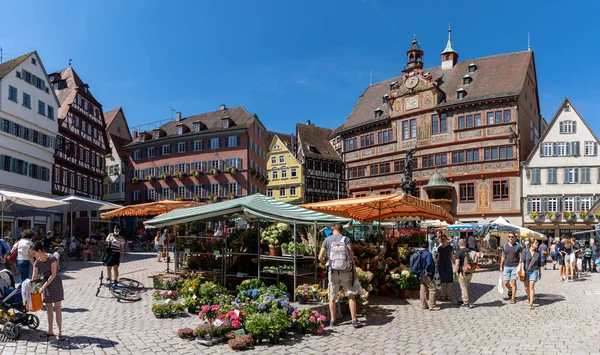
[562, 130]
[528, 205]
[574, 127]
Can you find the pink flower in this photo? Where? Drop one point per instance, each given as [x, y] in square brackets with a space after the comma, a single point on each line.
[320, 329]
[200, 314]
[236, 324]
[205, 308]
[311, 319]
[215, 308]
[223, 316]
[322, 318]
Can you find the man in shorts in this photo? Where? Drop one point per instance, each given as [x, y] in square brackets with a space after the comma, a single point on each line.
[337, 278]
[560, 259]
[511, 256]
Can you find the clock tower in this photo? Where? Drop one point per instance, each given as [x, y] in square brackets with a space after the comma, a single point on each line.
[414, 55]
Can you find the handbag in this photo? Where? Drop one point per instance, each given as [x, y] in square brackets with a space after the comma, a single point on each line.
[13, 254]
[521, 273]
[36, 302]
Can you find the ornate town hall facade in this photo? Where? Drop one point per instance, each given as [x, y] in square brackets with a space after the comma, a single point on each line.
[473, 122]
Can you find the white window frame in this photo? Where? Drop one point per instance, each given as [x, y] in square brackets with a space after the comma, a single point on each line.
[552, 204]
[586, 203]
[275, 174]
[293, 172]
[136, 195]
[292, 190]
[567, 127]
[181, 191]
[137, 155]
[166, 149]
[232, 187]
[225, 123]
[269, 192]
[570, 178]
[536, 204]
[561, 149]
[151, 194]
[590, 148]
[166, 193]
[198, 146]
[179, 129]
[282, 159]
[215, 189]
[282, 189]
[181, 147]
[547, 149]
[215, 143]
[196, 127]
[569, 204]
[232, 141]
[284, 172]
[273, 159]
[151, 152]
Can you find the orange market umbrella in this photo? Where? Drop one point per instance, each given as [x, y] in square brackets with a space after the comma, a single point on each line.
[382, 207]
[150, 208]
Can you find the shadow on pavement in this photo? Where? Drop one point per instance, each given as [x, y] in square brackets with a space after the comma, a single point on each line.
[71, 342]
[545, 299]
[482, 289]
[74, 310]
[75, 265]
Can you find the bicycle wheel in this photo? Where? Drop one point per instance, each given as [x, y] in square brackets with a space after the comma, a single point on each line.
[131, 284]
[125, 294]
[63, 261]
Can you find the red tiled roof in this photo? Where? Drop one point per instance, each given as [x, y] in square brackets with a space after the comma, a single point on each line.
[318, 138]
[109, 116]
[496, 76]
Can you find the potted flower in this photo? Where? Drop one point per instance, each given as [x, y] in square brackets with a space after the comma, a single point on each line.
[213, 172]
[164, 295]
[303, 293]
[213, 197]
[179, 198]
[191, 303]
[231, 169]
[195, 173]
[208, 313]
[537, 215]
[586, 215]
[134, 180]
[308, 321]
[401, 279]
[569, 216]
[186, 333]
[597, 215]
[197, 198]
[149, 178]
[179, 174]
[230, 196]
[240, 342]
[274, 235]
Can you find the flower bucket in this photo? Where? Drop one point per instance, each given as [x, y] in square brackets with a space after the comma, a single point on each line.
[272, 252]
[301, 299]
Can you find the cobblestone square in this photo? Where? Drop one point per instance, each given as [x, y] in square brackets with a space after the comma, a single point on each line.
[566, 321]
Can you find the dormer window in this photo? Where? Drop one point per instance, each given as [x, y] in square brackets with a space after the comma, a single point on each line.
[567, 108]
[385, 98]
[156, 134]
[378, 112]
[461, 93]
[393, 85]
[142, 137]
[467, 80]
[225, 122]
[472, 68]
[179, 129]
[196, 127]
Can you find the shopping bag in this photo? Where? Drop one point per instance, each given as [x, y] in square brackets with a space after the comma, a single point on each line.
[500, 286]
[36, 302]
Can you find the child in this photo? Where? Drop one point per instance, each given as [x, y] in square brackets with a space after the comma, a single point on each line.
[587, 257]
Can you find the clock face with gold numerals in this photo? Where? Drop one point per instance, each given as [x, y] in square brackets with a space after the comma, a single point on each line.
[412, 102]
[411, 82]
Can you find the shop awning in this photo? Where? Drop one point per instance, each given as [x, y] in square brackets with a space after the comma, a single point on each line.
[503, 225]
[382, 207]
[460, 227]
[84, 203]
[150, 208]
[254, 207]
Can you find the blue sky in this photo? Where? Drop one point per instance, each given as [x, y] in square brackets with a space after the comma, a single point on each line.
[290, 61]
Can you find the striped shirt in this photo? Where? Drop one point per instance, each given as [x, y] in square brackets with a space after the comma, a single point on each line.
[115, 243]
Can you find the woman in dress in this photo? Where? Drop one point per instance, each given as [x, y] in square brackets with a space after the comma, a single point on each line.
[24, 257]
[158, 245]
[46, 265]
[444, 261]
[114, 254]
[567, 252]
[531, 264]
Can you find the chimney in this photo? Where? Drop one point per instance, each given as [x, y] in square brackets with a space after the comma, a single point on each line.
[135, 134]
[308, 122]
[178, 116]
[223, 107]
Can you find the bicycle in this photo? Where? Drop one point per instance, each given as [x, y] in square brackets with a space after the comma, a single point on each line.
[63, 260]
[124, 290]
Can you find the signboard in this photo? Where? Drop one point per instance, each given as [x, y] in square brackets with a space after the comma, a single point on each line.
[216, 252]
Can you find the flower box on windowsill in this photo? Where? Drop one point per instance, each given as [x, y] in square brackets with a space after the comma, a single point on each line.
[557, 216]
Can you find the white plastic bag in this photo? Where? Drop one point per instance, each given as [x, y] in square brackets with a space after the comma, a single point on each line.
[500, 286]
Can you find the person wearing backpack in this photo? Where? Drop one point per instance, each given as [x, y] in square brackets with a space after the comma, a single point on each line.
[511, 255]
[464, 268]
[423, 267]
[341, 271]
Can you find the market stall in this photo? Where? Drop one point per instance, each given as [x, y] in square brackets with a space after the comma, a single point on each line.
[86, 226]
[259, 208]
[149, 209]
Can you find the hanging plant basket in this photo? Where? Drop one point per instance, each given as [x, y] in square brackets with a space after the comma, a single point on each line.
[232, 170]
[149, 178]
[214, 172]
[135, 180]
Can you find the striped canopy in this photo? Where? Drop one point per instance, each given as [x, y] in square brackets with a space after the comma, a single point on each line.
[149, 209]
[251, 208]
[382, 207]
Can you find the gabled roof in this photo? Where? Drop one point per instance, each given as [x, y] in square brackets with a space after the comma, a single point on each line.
[67, 94]
[109, 116]
[8, 66]
[551, 124]
[496, 76]
[240, 117]
[119, 143]
[285, 138]
[317, 138]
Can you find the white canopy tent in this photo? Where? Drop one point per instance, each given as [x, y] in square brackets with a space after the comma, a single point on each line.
[524, 232]
[21, 204]
[84, 203]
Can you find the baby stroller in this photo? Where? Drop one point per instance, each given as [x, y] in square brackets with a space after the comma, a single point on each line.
[12, 311]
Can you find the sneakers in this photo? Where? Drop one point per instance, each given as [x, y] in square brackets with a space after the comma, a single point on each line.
[356, 324]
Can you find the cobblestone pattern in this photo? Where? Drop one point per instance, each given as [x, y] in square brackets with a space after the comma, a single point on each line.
[566, 321]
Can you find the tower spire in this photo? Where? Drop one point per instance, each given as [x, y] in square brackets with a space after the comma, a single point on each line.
[449, 48]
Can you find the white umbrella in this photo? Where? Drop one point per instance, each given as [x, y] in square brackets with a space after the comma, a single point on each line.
[78, 202]
[16, 203]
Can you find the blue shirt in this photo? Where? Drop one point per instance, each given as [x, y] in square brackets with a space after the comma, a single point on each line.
[427, 263]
